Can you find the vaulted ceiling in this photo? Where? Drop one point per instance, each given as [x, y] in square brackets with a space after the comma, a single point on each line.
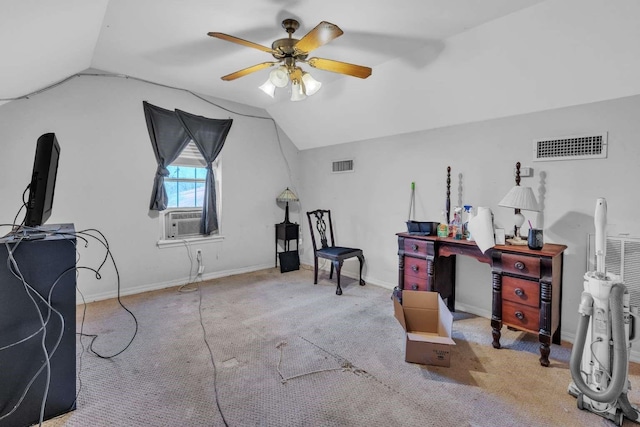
[421, 52]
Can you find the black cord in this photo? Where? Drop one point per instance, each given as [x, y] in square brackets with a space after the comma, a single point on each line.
[213, 362]
[108, 255]
[24, 205]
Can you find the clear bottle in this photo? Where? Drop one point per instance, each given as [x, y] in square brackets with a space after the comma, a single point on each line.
[456, 223]
[443, 228]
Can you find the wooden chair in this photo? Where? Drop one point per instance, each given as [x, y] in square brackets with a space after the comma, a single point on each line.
[328, 250]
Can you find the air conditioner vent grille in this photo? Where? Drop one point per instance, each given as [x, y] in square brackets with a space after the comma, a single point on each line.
[622, 259]
[340, 166]
[182, 224]
[571, 147]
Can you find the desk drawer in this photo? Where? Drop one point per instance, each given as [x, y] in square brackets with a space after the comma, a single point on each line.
[521, 291]
[415, 267]
[521, 316]
[414, 283]
[415, 247]
[521, 264]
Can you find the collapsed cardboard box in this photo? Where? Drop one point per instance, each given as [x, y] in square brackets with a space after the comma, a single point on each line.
[428, 324]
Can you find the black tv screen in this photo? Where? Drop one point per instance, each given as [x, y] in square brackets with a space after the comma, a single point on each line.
[43, 180]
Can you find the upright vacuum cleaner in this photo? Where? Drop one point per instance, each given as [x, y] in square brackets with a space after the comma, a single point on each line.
[600, 369]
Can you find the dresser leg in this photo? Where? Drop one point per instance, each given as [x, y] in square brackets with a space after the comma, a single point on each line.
[495, 332]
[545, 350]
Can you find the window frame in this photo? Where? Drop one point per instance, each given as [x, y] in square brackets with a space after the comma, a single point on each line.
[191, 157]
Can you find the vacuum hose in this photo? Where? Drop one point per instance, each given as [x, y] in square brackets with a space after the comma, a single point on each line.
[620, 358]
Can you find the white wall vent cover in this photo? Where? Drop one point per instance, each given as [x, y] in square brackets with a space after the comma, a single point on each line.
[575, 147]
[340, 166]
[622, 259]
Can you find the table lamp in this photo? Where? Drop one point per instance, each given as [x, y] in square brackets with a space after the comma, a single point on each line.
[519, 198]
[287, 196]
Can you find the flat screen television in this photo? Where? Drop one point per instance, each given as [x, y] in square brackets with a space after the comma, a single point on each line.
[43, 180]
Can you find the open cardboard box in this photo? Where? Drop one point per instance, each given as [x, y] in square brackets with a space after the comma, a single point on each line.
[428, 324]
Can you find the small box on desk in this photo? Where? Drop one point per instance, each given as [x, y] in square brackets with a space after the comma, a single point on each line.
[425, 228]
[428, 324]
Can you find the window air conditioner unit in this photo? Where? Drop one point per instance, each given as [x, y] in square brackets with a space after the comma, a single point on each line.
[182, 224]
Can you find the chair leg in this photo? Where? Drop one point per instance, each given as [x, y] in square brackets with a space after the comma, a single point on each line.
[338, 265]
[361, 259]
[315, 270]
[331, 271]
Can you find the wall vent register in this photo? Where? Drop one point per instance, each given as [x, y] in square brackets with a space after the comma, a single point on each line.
[340, 166]
[574, 147]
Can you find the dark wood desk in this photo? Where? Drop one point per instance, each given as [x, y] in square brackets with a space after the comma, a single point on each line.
[526, 284]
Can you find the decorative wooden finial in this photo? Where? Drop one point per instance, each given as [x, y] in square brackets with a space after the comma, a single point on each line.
[448, 202]
[517, 211]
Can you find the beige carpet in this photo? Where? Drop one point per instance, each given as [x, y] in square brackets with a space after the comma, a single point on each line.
[288, 353]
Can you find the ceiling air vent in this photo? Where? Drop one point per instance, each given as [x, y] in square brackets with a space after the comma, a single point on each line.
[575, 147]
[340, 166]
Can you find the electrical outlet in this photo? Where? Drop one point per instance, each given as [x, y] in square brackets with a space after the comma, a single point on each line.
[199, 259]
[525, 172]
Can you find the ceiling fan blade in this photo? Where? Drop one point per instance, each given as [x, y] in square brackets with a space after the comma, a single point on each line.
[248, 70]
[243, 42]
[322, 34]
[340, 67]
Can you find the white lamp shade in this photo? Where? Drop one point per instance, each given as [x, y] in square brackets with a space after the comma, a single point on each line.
[279, 77]
[520, 198]
[287, 196]
[311, 85]
[268, 88]
[297, 94]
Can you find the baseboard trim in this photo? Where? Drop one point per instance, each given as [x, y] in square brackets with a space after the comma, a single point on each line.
[169, 284]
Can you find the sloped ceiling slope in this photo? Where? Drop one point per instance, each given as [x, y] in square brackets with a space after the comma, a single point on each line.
[435, 63]
[43, 42]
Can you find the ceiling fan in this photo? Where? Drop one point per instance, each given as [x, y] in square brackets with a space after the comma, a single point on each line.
[289, 52]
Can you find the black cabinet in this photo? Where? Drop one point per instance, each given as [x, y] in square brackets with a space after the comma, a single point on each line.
[289, 259]
[48, 267]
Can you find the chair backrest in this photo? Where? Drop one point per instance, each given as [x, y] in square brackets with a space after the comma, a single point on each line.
[318, 220]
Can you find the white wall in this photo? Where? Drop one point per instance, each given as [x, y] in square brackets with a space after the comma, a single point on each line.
[106, 174]
[371, 204]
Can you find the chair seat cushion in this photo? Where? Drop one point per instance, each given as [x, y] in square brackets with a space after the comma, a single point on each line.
[337, 250]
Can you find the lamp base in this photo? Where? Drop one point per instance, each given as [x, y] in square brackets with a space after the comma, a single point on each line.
[517, 241]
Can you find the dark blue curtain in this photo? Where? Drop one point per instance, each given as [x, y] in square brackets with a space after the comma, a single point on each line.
[168, 139]
[209, 136]
[170, 132]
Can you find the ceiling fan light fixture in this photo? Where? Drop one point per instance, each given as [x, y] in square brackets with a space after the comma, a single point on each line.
[297, 94]
[268, 88]
[311, 85]
[279, 77]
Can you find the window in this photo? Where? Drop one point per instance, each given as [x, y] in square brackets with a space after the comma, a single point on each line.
[185, 187]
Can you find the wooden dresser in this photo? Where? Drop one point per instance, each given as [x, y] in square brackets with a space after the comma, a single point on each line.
[526, 284]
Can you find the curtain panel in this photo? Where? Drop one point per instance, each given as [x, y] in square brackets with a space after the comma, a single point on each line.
[170, 132]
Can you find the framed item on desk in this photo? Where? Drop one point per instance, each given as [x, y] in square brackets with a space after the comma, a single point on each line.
[500, 236]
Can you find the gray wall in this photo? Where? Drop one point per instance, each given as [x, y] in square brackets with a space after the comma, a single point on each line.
[371, 204]
[106, 174]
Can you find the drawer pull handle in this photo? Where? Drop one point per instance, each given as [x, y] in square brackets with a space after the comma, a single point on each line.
[519, 292]
[520, 315]
[414, 267]
[414, 247]
[414, 287]
[519, 265]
